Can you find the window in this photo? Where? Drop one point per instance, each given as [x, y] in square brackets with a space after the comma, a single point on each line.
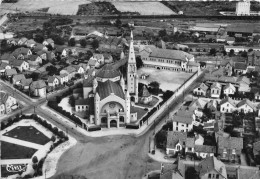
[187, 125]
[217, 176]
[209, 176]
[176, 128]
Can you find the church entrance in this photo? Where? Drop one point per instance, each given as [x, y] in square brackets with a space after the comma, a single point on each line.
[113, 123]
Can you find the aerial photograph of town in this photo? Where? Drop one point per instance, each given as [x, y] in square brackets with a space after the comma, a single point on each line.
[130, 89]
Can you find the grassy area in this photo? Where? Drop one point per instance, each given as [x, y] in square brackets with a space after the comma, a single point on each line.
[28, 133]
[140, 112]
[13, 151]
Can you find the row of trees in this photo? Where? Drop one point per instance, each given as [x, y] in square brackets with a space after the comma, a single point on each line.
[83, 43]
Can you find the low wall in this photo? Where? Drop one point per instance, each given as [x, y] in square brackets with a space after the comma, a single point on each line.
[179, 91]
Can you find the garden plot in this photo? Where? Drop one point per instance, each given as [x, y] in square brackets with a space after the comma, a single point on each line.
[169, 80]
[144, 8]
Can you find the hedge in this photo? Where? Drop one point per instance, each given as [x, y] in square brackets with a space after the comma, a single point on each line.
[94, 128]
[131, 126]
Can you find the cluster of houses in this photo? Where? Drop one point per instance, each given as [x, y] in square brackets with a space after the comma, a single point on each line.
[7, 103]
[31, 57]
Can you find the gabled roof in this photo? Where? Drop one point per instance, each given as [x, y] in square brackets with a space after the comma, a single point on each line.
[205, 148]
[82, 102]
[18, 77]
[107, 71]
[40, 52]
[240, 66]
[105, 89]
[38, 47]
[246, 101]
[51, 79]
[37, 85]
[216, 85]
[17, 63]
[26, 82]
[32, 57]
[88, 82]
[203, 86]
[69, 69]
[229, 85]
[228, 100]
[10, 72]
[22, 50]
[144, 92]
[31, 42]
[212, 164]
[3, 97]
[230, 142]
[173, 137]
[49, 40]
[198, 104]
[183, 116]
[243, 79]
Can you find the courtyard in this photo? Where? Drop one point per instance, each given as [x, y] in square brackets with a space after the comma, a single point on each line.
[169, 80]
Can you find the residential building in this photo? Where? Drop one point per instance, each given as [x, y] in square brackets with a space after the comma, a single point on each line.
[244, 84]
[30, 43]
[240, 68]
[53, 81]
[243, 8]
[230, 40]
[183, 120]
[229, 148]
[175, 142]
[63, 78]
[70, 71]
[48, 42]
[22, 41]
[9, 73]
[82, 104]
[144, 97]
[204, 151]
[200, 90]
[25, 83]
[245, 106]
[256, 149]
[215, 90]
[21, 65]
[4, 66]
[18, 78]
[197, 106]
[7, 103]
[229, 89]
[42, 54]
[212, 168]
[22, 53]
[38, 88]
[34, 60]
[227, 105]
[212, 105]
[253, 58]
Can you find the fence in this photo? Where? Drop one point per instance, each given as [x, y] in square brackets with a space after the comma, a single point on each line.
[179, 91]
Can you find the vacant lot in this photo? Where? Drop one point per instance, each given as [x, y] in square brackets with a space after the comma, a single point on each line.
[28, 133]
[144, 8]
[13, 151]
[169, 80]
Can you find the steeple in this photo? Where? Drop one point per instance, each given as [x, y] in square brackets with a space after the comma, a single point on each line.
[131, 58]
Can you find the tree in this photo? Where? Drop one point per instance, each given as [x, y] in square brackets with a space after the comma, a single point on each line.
[139, 62]
[118, 23]
[72, 100]
[49, 47]
[231, 53]
[162, 33]
[95, 44]
[213, 51]
[72, 42]
[34, 76]
[39, 38]
[155, 87]
[51, 70]
[83, 42]
[34, 159]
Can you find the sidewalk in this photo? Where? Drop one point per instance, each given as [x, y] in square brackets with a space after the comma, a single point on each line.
[21, 142]
[15, 161]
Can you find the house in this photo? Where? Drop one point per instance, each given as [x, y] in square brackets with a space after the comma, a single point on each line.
[25, 83]
[253, 58]
[34, 60]
[256, 149]
[82, 105]
[79, 69]
[230, 40]
[212, 168]
[215, 90]
[42, 54]
[227, 105]
[21, 65]
[191, 66]
[12, 42]
[38, 88]
[191, 142]
[197, 106]
[39, 47]
[7, 103]
[229, 89]
[48, 42]
[171, 171]
[244, 84]
[22, 41]
[240, 68]
[30, 43]
[53, 81]
[4, 66]
[175, 142]
[229, 148]
[212, 105]
[204, 151]
[200, 90]
[183, 120]
[9, 73]
[245, 106]
[256, 92]
[61, 51]
[22, 53]
[70, 71]
[63, 78]
[144, 97]
[18, 78]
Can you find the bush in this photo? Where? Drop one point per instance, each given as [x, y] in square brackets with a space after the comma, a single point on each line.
[94, 128]
[53, 138]
[131, 126]
[34, 159]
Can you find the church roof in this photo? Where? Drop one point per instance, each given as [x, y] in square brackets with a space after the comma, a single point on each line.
[144, 92]
[105, 89]
[107, 71]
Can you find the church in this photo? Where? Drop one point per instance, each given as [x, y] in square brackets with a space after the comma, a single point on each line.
[111, 95]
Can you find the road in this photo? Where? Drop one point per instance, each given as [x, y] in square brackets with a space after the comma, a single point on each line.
[120, 156]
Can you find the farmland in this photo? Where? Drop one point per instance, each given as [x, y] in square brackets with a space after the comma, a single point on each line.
[143, 8]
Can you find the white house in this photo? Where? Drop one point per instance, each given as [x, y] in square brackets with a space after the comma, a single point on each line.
[201, 90]
[18, 78]
[229, 89]
[204, 151]
[22, 65]
[82, 105]
[63, 78]
[7, 103]
[38, 88]
[70, 71]
[227, 105]
[245, 106]
[183, 120]
[215, 90]
[175, 142]
[53, 81]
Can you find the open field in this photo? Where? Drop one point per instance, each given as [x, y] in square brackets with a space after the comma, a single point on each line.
[13, 151]
[64, 7]
[169, 80]
[144, 8]
[28, 133]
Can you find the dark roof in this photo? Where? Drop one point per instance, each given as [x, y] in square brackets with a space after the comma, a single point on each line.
[144, 92]
[240, 28]
[51, 79]
[17, 63]
[88, 82]
[240, 66]
[37, 84]
[230, 142]
[173, 137]
[107, 71]
[32, 57]
[106, 88]
[246, 101]
[82, 102]
[205, 148]
[10, 72]
[190, 142]
[78, 91]
[229, 100]
[26, 82]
